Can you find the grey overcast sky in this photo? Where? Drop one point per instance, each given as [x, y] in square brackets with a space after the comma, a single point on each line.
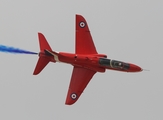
[127, 30]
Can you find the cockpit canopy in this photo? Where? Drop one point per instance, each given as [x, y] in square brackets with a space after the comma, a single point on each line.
[114, 64]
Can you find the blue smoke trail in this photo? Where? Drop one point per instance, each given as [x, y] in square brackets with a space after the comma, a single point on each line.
[4, 48]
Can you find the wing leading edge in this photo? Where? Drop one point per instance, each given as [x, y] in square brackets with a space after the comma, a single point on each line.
[79, 80]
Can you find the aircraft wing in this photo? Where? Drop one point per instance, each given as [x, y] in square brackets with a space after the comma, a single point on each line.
[84, 42]
[79, 80]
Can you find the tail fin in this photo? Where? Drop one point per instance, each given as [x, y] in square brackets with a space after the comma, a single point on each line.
[43, 60]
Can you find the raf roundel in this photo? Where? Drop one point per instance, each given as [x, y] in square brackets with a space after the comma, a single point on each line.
[82, 24]
[73, 96]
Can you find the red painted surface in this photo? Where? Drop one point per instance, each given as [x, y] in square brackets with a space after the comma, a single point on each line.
[86, 60]
[134, 68]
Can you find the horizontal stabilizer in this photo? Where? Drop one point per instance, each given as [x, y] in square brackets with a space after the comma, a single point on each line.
[42, 62]
[43, 42]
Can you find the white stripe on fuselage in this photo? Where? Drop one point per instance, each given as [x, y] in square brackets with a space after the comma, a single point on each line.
[55, 56]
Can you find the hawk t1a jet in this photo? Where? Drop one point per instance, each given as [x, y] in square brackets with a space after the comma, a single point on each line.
[85, 61]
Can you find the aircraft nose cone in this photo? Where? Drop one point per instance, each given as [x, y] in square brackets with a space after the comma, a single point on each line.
[135, 68]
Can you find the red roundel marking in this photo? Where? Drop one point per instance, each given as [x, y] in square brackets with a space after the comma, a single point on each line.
[82, 24]
[73, 96]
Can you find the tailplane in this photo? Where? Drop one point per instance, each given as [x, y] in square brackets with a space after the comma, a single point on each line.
[42, 62]
[44, 55]
[43, 42]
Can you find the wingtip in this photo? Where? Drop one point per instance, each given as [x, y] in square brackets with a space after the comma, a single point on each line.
[39, 33]
[71, 97]
[70, 101]
[34, 73]
[78, 15]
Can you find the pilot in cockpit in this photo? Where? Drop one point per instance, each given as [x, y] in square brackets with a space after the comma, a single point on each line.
[120, 65]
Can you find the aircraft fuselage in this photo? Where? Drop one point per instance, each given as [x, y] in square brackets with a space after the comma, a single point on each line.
[95, 62]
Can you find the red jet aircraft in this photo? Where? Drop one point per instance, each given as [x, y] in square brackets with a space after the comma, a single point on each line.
[86, 61]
